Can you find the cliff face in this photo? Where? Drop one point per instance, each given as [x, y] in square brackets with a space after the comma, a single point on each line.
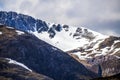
[109, 65]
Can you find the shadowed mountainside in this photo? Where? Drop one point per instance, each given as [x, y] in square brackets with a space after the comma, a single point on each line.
[40, 56]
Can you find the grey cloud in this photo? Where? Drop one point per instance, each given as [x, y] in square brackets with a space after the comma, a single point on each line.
[93, 14]
[103, 27]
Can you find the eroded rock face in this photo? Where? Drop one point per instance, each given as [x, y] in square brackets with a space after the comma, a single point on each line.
[109, 65]
[102, 65]
[114, 77]
[40, 56]
[108, 42]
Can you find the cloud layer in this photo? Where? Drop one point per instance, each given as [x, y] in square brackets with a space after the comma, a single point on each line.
[99, 15]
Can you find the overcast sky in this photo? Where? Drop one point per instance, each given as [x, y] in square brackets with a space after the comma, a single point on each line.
[99, 15]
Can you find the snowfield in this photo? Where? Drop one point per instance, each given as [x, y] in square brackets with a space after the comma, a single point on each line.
[18, 63]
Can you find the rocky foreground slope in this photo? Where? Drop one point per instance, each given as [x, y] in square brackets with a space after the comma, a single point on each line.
[10, 71]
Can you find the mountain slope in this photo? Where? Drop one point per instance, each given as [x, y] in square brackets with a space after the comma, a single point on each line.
[40, 56]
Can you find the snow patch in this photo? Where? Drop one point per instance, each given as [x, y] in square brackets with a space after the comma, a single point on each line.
[19, 32]
[116, 50]
[117, 57]
[116, 41]
[80, 55]
[10, 27]
[18, 63]
[1, 33]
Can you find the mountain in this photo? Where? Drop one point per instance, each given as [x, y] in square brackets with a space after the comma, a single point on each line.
[40, 56]
[94, 50]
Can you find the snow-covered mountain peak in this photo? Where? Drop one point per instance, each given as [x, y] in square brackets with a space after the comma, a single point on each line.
[68, 37]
